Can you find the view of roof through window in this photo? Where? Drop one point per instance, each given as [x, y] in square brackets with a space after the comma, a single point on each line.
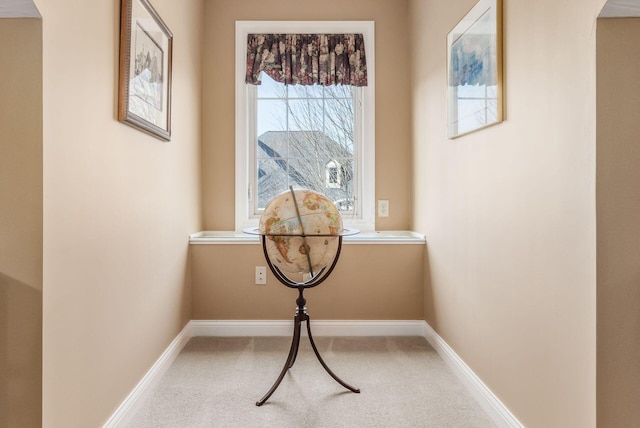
[305, 138]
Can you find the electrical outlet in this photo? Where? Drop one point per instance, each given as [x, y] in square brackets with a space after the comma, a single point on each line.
[261, 275]
[383, 208]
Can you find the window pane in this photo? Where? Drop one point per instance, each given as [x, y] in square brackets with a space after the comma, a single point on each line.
[269, 88]
[273, 145]
[341, 191]
[305, 115]
[339, 91]
[332, 175]
[300, 91]
[305, 144]
[338, 123]
[272, 178]
[307, 173]
[305, 138]
[271, 116]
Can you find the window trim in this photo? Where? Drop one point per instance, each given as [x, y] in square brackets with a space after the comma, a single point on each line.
[244, 111]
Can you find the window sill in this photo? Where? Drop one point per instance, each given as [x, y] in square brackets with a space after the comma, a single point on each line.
[395, 237]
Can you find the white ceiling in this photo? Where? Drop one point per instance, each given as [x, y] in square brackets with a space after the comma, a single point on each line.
[18, 9]
[620, 9]
[26, 9]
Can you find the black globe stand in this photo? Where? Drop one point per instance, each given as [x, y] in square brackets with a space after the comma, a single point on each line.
[300, 316]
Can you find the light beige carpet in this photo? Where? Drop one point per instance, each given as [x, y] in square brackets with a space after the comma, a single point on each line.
[215, 382]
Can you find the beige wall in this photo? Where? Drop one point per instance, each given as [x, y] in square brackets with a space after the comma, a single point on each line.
[370, 282]
[393, 148]
[20, 222]
[618, 210]
[509, 212]
[118, 208]
[367, 277]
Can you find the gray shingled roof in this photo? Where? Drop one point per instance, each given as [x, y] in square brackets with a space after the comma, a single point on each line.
[300, 158]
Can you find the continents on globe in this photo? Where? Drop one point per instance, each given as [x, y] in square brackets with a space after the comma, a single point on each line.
[286, 246]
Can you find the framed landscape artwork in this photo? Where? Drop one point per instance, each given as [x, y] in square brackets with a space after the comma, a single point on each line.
[144, 97]
[474, 70]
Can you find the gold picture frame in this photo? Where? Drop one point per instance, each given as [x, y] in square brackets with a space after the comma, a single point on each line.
[146, 49]
[474, 70]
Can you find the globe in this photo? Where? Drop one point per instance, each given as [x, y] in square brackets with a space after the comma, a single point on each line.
[301, 233]
[302, 228]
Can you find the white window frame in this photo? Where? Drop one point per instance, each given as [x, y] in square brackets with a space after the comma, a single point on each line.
[365, 157]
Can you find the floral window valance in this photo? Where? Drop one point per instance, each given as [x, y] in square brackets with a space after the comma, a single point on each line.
[307, 59]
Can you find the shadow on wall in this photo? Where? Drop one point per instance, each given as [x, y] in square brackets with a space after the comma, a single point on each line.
[20, 354]
[429, 307]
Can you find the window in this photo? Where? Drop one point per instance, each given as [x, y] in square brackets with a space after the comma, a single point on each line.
[303, 133]
[333, 177]
[318, 137]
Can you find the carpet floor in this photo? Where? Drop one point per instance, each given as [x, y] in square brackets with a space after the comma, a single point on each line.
[216, 381]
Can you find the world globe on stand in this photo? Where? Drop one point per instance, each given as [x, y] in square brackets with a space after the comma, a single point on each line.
[290, 221]
[301, 233]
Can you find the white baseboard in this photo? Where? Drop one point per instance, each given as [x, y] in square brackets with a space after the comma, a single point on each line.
[229, 328]
[483, 395]
[136, 397]
[319, 328]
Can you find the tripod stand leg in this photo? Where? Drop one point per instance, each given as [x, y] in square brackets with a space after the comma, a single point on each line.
[295, 343]
[333, 375]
